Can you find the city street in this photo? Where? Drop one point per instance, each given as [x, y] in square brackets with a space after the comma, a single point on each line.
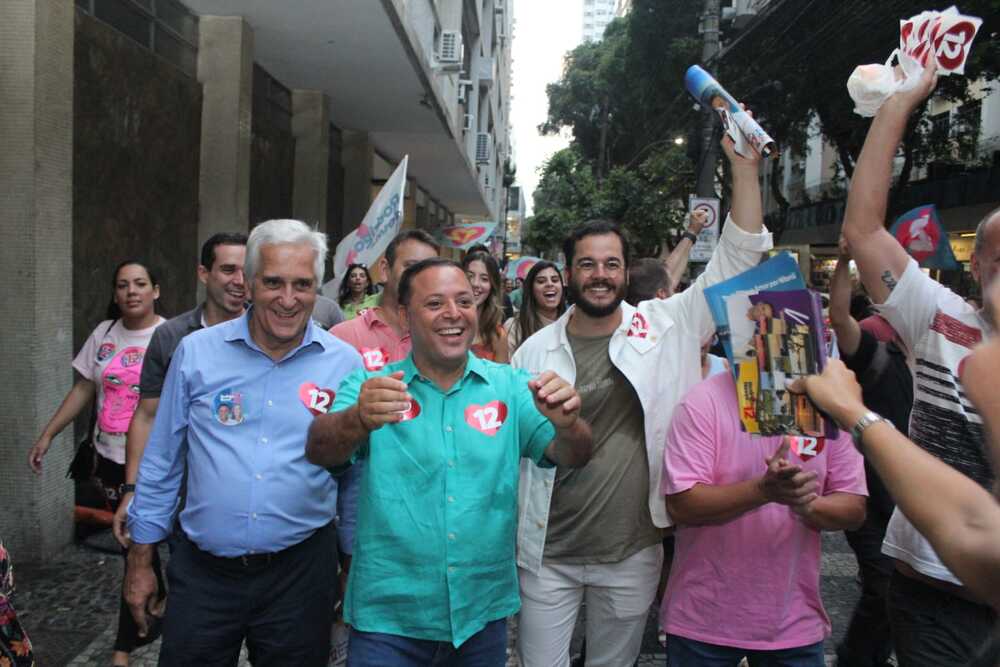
[69, 605]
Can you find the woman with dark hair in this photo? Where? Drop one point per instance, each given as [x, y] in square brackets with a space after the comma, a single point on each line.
[543, 302]
[357, 292]
[484, 275]
[109, 365]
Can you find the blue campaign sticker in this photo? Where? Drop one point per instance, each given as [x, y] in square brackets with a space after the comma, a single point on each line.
[228, 407]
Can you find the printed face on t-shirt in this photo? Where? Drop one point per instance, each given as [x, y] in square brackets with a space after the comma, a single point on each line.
[120, 381]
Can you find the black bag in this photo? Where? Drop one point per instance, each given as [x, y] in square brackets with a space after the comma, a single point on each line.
[84, 463]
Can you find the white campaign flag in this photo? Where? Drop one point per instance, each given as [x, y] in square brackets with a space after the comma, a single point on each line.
[381, 224]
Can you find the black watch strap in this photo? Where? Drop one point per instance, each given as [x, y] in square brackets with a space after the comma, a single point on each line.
[688, 235]
[128, 488]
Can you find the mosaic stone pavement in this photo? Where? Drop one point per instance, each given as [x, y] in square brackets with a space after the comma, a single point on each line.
[70, 605]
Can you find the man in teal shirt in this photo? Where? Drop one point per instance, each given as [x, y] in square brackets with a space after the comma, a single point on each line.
[443, 432]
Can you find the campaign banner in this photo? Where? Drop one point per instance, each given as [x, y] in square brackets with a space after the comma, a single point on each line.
[708, 237]
[919, 231]
[380, 225]
[468, 235]
[518, 268]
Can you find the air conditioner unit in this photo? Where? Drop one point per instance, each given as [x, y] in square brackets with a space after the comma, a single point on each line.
[469, 122]
[450, 47]
[484, 141]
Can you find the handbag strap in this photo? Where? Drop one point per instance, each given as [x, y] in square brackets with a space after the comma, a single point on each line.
[93, 405]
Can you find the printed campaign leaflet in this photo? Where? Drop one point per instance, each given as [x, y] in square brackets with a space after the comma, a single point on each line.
[777, 336]
[781, 272]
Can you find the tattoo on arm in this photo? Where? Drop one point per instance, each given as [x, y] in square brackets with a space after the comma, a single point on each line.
[889, 281]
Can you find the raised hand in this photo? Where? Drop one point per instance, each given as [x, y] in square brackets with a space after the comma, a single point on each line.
[556, 399]
[383, 400]
[835, 392]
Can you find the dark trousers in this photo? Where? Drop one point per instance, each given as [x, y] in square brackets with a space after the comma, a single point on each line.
[931, 627]
[282, 607]
[868, 641]
[693, 653]
[486, 648]
[111, 476]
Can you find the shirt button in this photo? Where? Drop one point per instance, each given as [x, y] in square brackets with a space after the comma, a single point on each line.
[451, 536]
[259, 476]
[540, 524]
[451, 499]
[270, 403]
[264, 440]
[448, 428]
[254, 516]
[451, 568]
[451, 464]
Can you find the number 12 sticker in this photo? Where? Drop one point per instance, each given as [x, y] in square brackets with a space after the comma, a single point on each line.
[317, 399]
[487, 419]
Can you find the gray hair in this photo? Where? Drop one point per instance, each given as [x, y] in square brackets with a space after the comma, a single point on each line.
[981, 229]
[284, 232]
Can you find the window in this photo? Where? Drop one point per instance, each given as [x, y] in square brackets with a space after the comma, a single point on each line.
[165, 27]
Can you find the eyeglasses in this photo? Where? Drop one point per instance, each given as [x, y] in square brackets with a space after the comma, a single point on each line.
[611, 266]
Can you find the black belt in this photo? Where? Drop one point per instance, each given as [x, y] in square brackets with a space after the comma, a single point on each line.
[251, 561]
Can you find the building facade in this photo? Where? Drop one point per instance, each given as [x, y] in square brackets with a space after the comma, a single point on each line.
[597, 14]
[139, 128]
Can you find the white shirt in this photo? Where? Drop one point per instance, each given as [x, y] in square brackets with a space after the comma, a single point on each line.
[939, 329]
[657, 347]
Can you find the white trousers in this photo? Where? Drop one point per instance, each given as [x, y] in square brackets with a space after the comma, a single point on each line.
[618, 596]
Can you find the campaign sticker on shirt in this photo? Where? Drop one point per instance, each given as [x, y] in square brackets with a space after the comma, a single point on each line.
[375, 358]
[318, 400]
[105, 351]
[228, 407]
[411, 412]
[487, 419]
[806, 447]
[638, 327]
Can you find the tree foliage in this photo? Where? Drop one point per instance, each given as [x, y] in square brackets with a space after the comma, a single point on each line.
[624, 102]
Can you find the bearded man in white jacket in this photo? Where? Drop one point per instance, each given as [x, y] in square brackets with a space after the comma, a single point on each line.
[595, 533]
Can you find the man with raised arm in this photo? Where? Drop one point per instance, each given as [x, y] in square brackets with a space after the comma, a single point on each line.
[935, 620]
[594, 535]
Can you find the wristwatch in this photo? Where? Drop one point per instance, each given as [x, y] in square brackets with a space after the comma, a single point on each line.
[863, 423]
[690, 236]
[128, 488]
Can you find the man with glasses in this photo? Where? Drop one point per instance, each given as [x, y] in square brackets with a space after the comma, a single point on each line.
[594, 534]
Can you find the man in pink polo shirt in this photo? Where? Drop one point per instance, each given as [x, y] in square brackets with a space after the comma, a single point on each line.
[375, 332]
[749, 511]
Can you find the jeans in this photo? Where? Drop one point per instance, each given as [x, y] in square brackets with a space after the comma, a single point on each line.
[486, 648]
[932, 628]
[693, 653]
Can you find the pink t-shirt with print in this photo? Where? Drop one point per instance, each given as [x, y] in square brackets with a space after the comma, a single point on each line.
[752, 582]
[112, 359]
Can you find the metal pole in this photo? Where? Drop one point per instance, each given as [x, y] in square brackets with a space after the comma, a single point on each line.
[709, 149]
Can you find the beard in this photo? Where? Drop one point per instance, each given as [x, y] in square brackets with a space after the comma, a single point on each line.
[592, 309]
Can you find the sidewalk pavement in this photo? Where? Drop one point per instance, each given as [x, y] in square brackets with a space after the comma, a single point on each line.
[69, 605]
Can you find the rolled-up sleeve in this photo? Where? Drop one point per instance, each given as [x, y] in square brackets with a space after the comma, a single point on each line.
[151, 514]
[737, 252]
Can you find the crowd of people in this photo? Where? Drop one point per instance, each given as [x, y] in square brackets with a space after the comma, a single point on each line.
[439, 467]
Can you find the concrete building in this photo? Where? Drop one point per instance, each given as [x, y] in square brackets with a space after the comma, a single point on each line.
[597, 14]
[138, 128]
[515, 221]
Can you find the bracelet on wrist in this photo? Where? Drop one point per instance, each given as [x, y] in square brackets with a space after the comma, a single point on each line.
[689, 236]
[128, 488]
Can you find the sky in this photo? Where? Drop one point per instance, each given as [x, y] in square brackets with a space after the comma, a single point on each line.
[544, 31]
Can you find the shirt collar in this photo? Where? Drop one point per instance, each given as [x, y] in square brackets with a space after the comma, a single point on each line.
[240, 330]
[473, 364]
[561, 339]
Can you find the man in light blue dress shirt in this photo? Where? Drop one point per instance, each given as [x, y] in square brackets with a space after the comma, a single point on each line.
[258, 561]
